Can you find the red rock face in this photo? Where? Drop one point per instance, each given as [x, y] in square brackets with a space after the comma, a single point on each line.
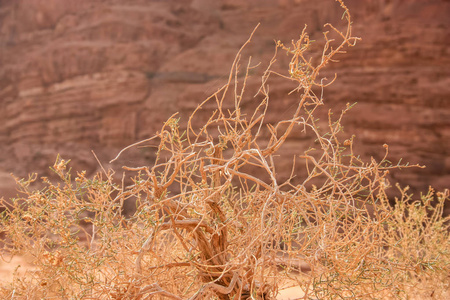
[84, 75]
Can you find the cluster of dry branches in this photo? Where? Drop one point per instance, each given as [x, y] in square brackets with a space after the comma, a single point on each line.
[213, 221]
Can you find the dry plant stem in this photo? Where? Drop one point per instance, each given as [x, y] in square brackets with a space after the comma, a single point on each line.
[176, 224]
[135, 144]
[155, 289]
[218, 288]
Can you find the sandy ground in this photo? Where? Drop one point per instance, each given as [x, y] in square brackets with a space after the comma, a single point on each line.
[292, 293]
[17, 263]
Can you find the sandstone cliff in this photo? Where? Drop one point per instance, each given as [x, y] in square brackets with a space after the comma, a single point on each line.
[84, 75]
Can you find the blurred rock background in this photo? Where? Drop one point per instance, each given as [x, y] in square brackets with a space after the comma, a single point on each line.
[85, 75]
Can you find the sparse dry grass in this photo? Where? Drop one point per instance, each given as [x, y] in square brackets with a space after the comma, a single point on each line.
[213, 221]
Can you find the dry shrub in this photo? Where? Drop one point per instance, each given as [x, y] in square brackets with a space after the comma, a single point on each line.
[213, 221]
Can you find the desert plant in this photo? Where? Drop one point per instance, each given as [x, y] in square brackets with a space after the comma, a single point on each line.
[213, 220]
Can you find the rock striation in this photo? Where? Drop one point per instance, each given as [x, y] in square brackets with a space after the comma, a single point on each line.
[84, 75]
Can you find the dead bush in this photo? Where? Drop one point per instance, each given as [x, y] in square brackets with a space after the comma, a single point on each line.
[213, 220]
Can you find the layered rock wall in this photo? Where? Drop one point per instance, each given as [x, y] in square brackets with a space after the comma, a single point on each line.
[77, 76]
